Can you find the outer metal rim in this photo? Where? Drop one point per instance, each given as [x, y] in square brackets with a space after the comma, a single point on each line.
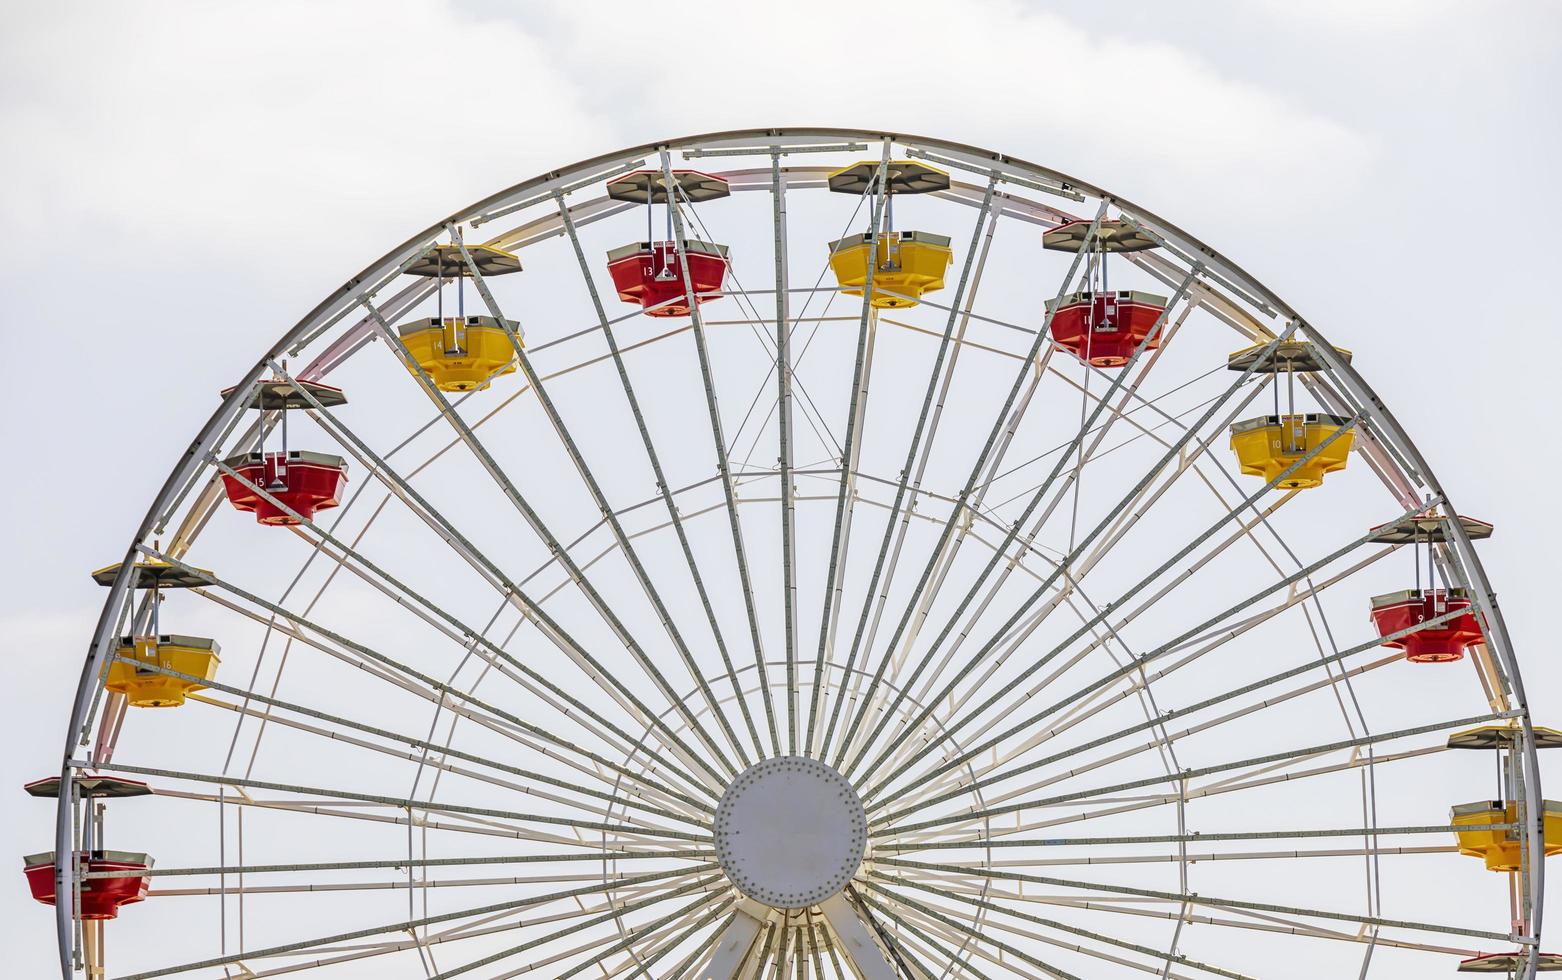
[1384, 421]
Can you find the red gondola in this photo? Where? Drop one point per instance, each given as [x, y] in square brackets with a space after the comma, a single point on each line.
[305, 481]
[1443, 643]
[1105, 328]
[101, 898]
[650, 274]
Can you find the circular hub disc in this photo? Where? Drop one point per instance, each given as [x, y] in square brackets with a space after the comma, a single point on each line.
[790, 832]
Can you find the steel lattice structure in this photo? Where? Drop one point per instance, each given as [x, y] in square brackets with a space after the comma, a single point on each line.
[799, 636]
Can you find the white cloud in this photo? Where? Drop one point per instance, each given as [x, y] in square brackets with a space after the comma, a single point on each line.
[1138, 116]
[255, 124]
[1352, 15]
[252, 127]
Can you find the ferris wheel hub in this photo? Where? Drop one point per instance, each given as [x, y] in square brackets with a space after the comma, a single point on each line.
[790, 832]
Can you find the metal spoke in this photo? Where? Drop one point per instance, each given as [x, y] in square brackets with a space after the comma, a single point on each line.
[643, 968]
[1079, 709]
[410, 740]
[946, 954]
[534, 520]
[662, 485]
[1260, 921]
[463, 634]
[480, 929]
[1208, 770]
[606, 510]
[1061, 927]
[402, 862]
[397, 926]
[780, 244]
[906, 470]
[1174, 713]
[1278, 770]
[1075, 574]
[507, 588]
[1204, 900]
[696, 885]
[851, 450]
[1138, 662]
[1074, 553]
[959, 341]
[723, 464]
[699, 952]
[468, 708]
[985, 842]
[1040, 964]
[445, 690]
[477, 827]
[976, 470]
[403, 804]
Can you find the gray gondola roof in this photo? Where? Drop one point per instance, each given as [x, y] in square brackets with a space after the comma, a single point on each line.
[1507, 963]
[273, 393]
[1427, 527]
[90, 787]
[1502, 737]
[1288, 355]
[645, 186]
[900, 177]
[1113, 235]
[445, 261]
[156, 574]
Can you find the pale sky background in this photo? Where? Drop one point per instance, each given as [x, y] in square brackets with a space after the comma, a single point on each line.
[182, 181]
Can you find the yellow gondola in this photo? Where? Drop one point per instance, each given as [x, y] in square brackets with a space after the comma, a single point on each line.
[909, 263]
[1268, 445]
[460, 353]
[1501, 848]
[905, 263]
[146, 688]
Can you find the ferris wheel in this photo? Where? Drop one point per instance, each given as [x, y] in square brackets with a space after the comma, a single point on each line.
[800, 554]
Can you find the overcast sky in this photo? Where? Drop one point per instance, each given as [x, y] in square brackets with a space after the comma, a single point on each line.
[182, 181]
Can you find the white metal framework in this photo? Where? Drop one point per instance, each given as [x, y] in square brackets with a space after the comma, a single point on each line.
[1106, 706]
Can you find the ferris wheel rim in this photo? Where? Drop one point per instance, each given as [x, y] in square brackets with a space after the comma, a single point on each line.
[323, 312]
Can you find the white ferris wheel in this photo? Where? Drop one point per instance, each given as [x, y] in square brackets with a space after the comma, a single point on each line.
[800, 554]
